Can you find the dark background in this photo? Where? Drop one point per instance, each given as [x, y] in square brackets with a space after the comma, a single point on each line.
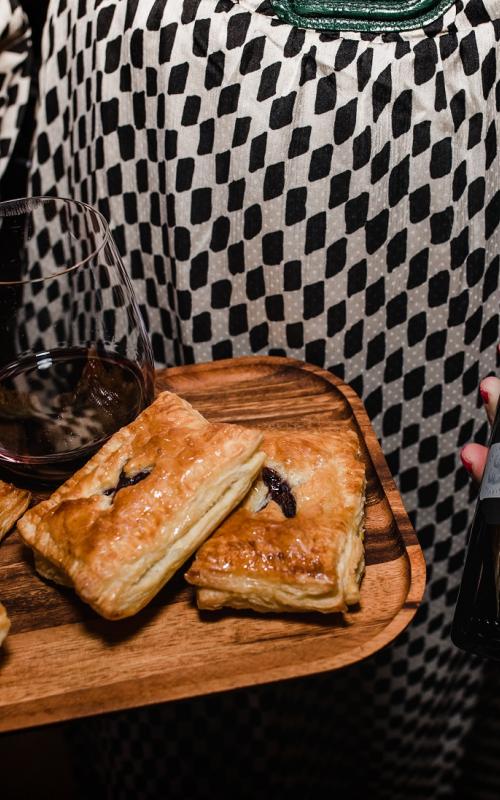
[33, 763]
[36, 11]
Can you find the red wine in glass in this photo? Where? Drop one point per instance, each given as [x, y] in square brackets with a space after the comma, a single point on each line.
[75, 360]
[58, 407]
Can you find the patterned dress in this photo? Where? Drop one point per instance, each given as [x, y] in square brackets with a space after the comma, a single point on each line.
[14, 76]
[335, 198]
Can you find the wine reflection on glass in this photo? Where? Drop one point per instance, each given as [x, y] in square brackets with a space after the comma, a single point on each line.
[75, 359]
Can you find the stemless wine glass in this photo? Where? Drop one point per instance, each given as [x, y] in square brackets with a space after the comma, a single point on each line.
[75, 360]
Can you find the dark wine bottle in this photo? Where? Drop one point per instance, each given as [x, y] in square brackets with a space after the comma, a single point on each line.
[476, 623]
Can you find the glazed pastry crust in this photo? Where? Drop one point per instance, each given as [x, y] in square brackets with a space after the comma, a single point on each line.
[118, 551]
[313, 561]
[4, 624]
[13, 504]
[48, 570]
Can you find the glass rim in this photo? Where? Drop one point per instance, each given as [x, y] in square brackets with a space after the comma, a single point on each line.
[67, 200]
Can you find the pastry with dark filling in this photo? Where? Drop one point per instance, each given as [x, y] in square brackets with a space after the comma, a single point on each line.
[13, 504]
[4, 623]
[123, 524]
[296, 541]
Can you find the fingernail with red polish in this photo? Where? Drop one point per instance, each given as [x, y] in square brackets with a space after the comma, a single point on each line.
[484, 394]
[467, 464]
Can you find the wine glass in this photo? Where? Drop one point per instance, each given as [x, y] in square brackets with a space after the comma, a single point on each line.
[75, 360]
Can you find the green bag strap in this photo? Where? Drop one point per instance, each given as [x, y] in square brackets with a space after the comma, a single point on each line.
[360, 15]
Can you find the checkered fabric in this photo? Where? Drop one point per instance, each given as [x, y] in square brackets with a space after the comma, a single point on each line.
[82, 307]
[332, 197]
[14, 75]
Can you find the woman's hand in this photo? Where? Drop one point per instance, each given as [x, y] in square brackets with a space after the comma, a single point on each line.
[474, 455]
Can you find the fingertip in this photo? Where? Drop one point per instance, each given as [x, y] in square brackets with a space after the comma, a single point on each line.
[489, 384]
[489, 389]
[473, 457]
[466, 460]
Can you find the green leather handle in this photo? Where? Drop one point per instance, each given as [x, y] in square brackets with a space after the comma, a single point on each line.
[360, 15]
[360, 9]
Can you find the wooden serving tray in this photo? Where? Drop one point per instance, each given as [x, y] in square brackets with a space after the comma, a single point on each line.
[62, 661]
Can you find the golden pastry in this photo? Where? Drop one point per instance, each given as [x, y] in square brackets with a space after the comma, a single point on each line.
[4, 623]
[296, 541]
[121, 526]
[13, 504]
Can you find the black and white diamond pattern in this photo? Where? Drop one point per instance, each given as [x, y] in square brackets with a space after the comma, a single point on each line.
[14, 75]
[334, 197]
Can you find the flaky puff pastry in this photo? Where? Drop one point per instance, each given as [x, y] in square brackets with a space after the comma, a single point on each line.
[13, 504]
[296, 541]
[4, 624]
[121, 526]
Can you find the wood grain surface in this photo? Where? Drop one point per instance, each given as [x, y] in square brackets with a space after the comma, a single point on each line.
[62, 661]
